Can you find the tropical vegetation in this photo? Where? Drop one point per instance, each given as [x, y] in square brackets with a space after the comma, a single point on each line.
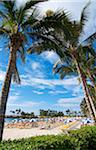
[50, 113]
[82, 139]
[20, 113]
[76, 57]
[55, 32]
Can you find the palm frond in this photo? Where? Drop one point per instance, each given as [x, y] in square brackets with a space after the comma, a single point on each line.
[64, 69]
[31, 21]
[90, 39]
[90, 61]
[44, 37]
[90, 50]
[22, 13]
[3, 15]
[4, 31]
[86, 51]
[52, 42]
[59, 21]
[10, 5]
[31, 3]
[84, 17]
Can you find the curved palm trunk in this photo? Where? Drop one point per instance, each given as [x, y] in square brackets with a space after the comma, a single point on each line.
[88, 99]
[6, 89]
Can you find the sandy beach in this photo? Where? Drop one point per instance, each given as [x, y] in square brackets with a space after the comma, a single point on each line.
[16, 133]
[23, 133]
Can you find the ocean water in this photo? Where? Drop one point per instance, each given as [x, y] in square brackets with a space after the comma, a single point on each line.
[9, 120]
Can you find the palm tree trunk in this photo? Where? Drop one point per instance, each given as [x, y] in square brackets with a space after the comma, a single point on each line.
[85, 89]
[6, 89]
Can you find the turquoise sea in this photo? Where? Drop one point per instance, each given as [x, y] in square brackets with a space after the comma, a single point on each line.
[9, 120]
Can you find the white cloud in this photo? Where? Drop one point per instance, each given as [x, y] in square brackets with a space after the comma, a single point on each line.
[15, 101]
[51, 83]
[68, 100]
[70, 6]
[34, 69]
[62, 102]
[68, 103]
[26, 104]
[77, 91]
[51, 56]
[37, 92]
[20, 2]
[57, 92]
[2, 75]
[35, 65]
[13, 97]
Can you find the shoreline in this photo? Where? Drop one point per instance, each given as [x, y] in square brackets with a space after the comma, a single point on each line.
[18, 133]
[15, 133]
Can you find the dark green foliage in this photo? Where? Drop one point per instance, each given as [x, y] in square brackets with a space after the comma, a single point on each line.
[86, 137]
[82, 139]
[41, 143]
[50, 113]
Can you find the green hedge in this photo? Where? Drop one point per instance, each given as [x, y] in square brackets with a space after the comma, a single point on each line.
[82, 139]
[86, 137]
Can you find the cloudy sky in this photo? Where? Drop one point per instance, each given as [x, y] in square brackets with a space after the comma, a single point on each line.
[40, 88]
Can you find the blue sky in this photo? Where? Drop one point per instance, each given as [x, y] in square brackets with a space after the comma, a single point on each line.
[40, 88]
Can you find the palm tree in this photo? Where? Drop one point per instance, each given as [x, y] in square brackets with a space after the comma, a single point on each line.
[84, 108]
[68, 112]
[14, 26]
[72, 50]
[18, 111]
[65, 41]
[12, 111]
[67, 34]
[69, 69]
[87, 64]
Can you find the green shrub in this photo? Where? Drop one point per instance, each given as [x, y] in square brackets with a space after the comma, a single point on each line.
[86, 137]
[82, 139]
[60, 142]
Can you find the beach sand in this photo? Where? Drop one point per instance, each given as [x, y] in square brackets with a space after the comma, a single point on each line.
[15, 133]
[56, 128]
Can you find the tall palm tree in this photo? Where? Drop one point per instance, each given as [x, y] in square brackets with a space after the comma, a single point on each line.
[87, 63]
[67, 34]
[64, 69]
[14, 26]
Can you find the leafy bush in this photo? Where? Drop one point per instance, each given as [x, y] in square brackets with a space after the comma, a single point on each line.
[82, 139]
[86, 137]
[60, 142]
